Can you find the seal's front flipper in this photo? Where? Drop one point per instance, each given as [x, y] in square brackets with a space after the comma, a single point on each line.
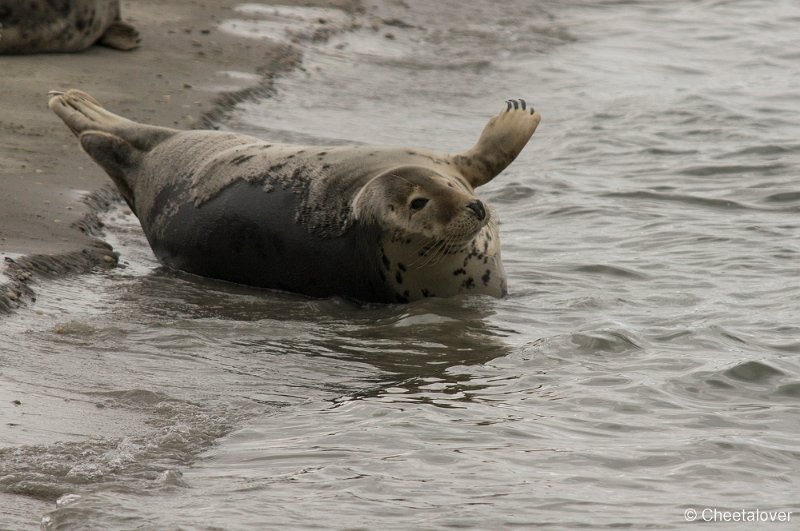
[501, 141]
[120, 36]
[116, 156]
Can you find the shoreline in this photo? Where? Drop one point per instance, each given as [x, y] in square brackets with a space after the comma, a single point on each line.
[188, 73]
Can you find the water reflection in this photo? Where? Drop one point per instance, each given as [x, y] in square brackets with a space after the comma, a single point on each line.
[403, 342]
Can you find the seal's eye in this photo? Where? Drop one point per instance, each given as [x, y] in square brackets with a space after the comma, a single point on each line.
[418, 203]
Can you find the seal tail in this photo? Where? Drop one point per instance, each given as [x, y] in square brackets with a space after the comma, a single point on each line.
[114, 142]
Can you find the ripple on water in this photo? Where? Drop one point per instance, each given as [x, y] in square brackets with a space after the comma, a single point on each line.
[783, 197]
[764, 149]
[691, 200]
[753, 371]
[587, 342]
[512, 192]
[747, 386]
[736, 169]
[610, 270]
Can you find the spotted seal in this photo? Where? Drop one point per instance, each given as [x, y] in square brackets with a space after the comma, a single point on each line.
[372, 223]
[42, 26]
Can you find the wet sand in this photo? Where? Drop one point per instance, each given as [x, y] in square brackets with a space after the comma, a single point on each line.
[185, 74]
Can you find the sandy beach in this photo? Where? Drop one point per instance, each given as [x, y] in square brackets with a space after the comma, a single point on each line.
[185, 74]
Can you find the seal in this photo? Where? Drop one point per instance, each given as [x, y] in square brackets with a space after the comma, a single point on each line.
[378, 224]
[42, 26]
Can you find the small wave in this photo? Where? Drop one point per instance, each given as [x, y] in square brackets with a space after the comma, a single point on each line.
[750, 383]
[783, 197]
[572, 210]
[726, 204]
[766, 149]
[512, 192]
[791, 390]
[753, 371]
[708, 170]
[669, 152]
[137, 398]
[787, 347]
[610, 270]
[416, 64]
[587, 342]
[604, 341]
[684, 70]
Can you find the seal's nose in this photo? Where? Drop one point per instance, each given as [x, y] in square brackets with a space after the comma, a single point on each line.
[477, 208]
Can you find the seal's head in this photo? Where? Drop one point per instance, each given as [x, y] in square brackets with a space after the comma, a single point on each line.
[420, 203]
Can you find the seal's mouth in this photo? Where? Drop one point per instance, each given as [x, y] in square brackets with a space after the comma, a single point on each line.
[474, 217]
[432, 251]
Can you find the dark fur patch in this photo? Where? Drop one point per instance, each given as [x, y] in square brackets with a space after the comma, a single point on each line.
[398, 277]
[459, 271]
[241, 159]
[486, 277]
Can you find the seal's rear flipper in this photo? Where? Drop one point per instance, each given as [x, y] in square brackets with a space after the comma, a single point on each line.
[81, 112]
[116, 156]
[501, 141]
[115, 143]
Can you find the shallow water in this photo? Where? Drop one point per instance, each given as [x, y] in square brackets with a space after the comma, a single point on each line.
[645, 363]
